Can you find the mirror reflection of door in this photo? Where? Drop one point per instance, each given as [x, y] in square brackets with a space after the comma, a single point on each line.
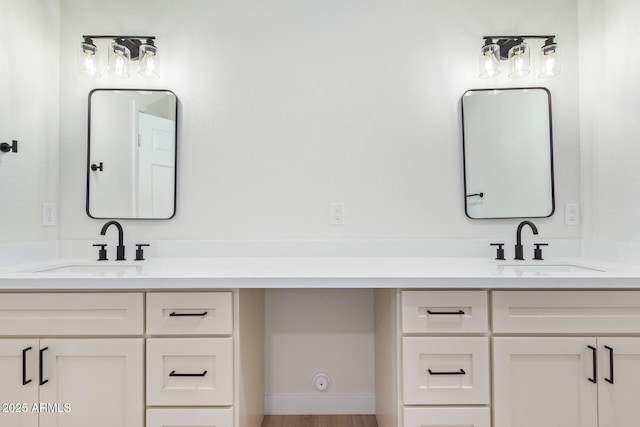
[155, 166]
[131, 170]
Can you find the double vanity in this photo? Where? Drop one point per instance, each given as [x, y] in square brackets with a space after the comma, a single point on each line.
[167, 339]
[171, 341]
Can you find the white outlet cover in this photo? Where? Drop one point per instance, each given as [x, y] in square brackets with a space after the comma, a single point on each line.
[571, 214]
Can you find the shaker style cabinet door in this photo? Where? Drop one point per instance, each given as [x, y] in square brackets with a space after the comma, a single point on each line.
[445, 371]
[446, 417]
[545, 382]
[192, 417]
[94, 382]
[190, 371]
[619, 382]
[19, 386]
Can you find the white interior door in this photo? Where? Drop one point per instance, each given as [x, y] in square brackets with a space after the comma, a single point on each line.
[544, 382]
[619, 387]
[155, 166]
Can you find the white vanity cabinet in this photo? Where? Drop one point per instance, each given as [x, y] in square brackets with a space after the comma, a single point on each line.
[205, 358]
[62, 378]
[433, 346]
[578, 380]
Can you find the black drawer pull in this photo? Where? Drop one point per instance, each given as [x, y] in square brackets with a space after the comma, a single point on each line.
[610, 379]
[173, 374]
[174, 314]
[595, 365]
[42, 380]
[445, 312]
[460, 372]
[25, 381]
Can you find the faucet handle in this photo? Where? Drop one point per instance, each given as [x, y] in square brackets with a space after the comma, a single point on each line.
[102, 252]
[537, 252]
[140, 251]
[499, 250]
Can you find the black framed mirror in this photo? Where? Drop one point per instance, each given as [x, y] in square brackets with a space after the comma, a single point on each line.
[132, 154]
[507, 153]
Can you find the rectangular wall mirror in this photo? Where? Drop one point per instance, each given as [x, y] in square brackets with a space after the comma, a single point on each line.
[131, 168]
[507, 153]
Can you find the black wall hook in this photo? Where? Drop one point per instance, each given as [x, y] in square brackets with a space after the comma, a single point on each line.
[6, 147]
[97, 167]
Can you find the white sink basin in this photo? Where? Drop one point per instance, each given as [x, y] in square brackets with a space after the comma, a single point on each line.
[89, 268]
[547, 268]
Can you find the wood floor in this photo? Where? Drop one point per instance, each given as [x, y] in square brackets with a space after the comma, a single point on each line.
[319, 421]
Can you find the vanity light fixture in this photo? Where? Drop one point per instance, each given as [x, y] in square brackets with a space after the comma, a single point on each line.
[121, 51]
[515, 50]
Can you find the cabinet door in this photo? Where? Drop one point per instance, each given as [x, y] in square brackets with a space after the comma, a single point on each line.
[92, 382]
[619, 390]
[19, 388]
[190, 371]
[192, 417]
[446, 417]
[544, 382]
[445, 371]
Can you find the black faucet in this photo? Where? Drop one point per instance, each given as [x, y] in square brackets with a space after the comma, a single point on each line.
[120, 247]
[519, 251]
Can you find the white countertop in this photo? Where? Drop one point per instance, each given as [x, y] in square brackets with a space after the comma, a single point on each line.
[319, 272]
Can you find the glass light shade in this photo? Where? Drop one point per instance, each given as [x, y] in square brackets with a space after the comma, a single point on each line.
[119, 59]
[549, 61]
[489, 62]
[149, 61]
[88, 60]
[519, 61]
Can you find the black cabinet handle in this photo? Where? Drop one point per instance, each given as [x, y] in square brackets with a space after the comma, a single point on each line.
[25, 381]
[595, 365]
[460, 372]
[98, 167]
[174, 314]
[42, 380]
[610, 379]
[445, 312]
[174, 374]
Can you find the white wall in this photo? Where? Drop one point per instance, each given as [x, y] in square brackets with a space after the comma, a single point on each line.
[29, 56]
[610, 128]
[308, 331]
[288, 106]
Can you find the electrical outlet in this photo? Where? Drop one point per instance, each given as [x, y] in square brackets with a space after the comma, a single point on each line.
[571, 214]
[49, 214]
[337, 214]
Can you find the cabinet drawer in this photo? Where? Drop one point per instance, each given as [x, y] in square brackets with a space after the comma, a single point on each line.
[444, 417]
[444, 312]
[445, 370]
[566, 312]
[185, 313]
[71, 314]
[190, 371]
[218, 417]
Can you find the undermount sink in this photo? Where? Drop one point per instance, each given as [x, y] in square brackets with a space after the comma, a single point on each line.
[89, 268]
[547, 268]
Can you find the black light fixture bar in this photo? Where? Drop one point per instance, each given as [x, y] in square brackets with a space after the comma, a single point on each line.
[518, 37]
[131, 42]
[507, 42]
[120, 37]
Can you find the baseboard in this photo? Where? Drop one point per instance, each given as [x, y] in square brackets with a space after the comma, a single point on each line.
[361, 404]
